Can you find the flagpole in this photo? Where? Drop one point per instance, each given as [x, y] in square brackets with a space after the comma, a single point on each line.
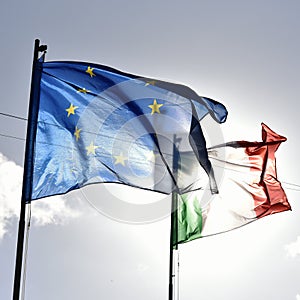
[173, 237]
[174, 223]
[28, 163]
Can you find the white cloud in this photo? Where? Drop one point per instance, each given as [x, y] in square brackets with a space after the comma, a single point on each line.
[54, 210]
[293, 250]
[298, 297]
[10, 191]
[47, 211]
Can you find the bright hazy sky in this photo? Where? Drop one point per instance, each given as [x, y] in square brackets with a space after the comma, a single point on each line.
[244, 54]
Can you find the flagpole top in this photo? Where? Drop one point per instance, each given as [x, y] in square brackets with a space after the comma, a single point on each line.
[43, 48]
[38, 48]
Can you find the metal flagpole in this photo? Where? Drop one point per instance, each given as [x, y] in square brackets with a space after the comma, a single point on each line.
[177, 281]
[173, 238]
[174, 223]
[28, 162]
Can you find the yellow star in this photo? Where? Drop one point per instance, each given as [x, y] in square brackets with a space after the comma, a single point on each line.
[151, 156]
[120, 159]
[83, 90]
[77, 133]
[90, 71]
[91, 148]
[155, 107]
[71, 110]
[152, 82]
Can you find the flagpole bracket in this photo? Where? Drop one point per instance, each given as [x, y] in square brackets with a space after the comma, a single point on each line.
[42, 48]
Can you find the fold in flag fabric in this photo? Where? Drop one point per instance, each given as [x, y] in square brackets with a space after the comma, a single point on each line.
[249, 190]
[100, 125]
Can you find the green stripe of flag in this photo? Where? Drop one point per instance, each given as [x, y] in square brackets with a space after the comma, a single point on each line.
[190, 219]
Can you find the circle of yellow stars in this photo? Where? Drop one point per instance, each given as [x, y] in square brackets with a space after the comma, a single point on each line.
[91, 148]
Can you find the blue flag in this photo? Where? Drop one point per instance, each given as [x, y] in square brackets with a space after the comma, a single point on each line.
[97, 124]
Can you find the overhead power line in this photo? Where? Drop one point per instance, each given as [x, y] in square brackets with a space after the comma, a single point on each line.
[294, 184]
[12, 137]
[13, 116]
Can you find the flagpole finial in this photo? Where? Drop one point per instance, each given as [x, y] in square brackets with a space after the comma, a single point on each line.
[38, 48]
[43, 48]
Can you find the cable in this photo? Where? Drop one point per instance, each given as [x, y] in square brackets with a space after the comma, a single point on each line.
[12, 137]
[291, 188]
[294, 184]
[13, 116]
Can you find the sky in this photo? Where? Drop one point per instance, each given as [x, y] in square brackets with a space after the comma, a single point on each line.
[244, 54]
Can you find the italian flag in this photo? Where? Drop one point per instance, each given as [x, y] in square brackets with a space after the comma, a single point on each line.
[248, 190]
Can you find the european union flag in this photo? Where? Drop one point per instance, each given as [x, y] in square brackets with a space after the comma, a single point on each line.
[97, 124]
